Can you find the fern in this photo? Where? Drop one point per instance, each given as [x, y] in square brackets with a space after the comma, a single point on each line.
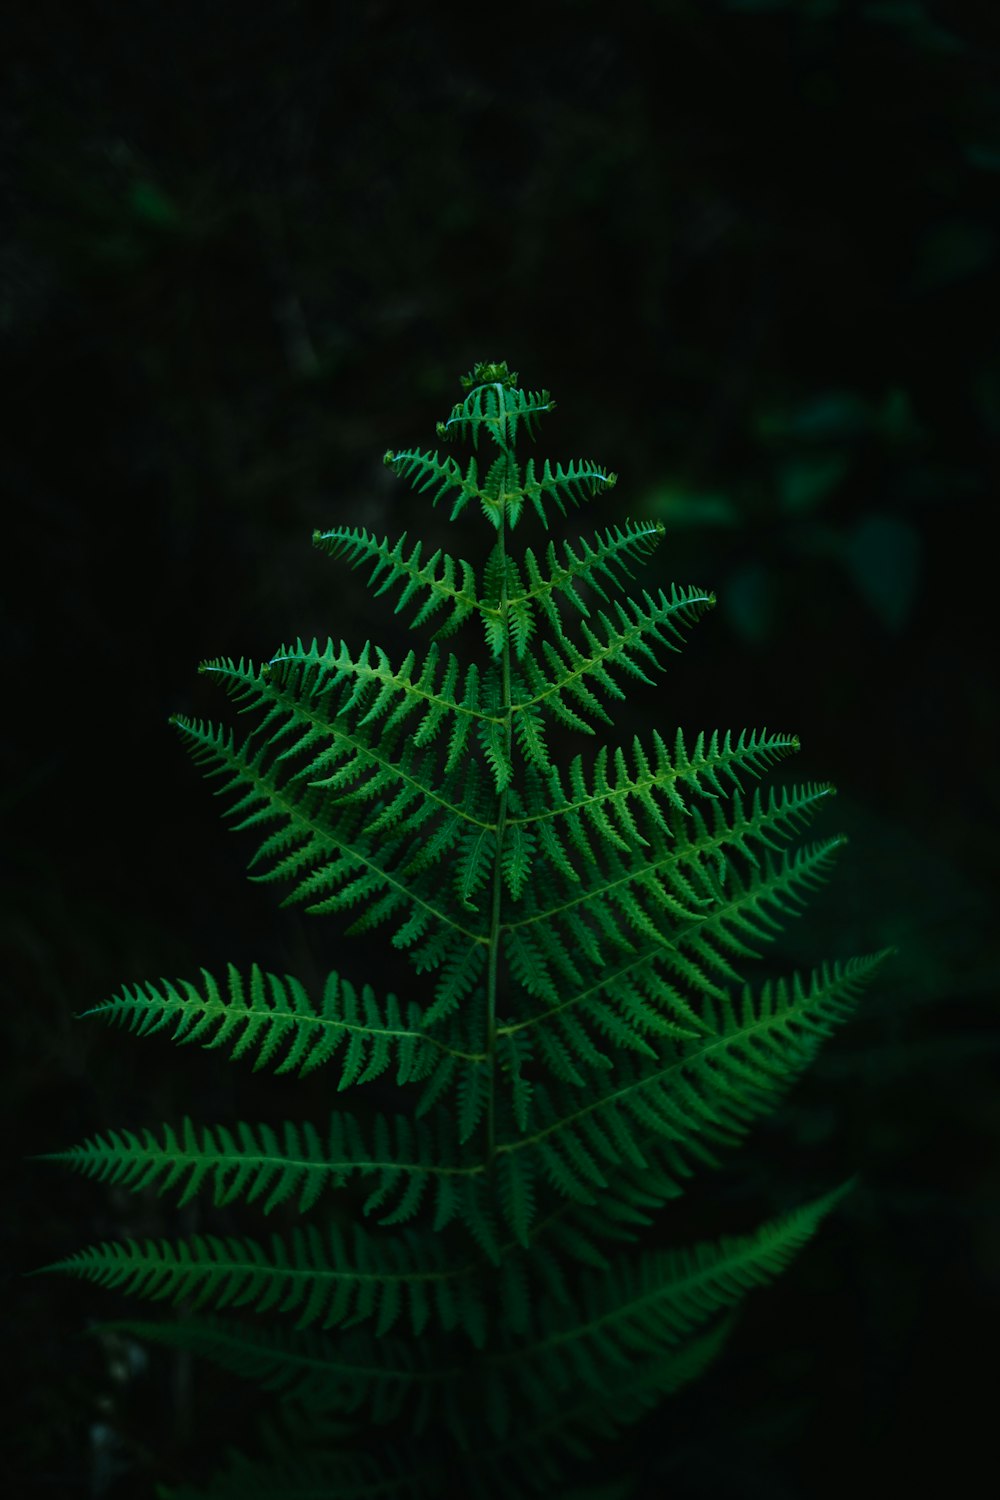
[579, 1039]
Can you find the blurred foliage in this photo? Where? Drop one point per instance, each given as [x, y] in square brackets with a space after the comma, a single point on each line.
[751, 246]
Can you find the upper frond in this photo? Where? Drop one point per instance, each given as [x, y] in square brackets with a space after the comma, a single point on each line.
[512, 601]
[437, 580]
[315, 733]
[394, 694]
[376, 693]
[500, 409]
[685, 902]
[335, 855]
[572, 484]
[427, 471]
[621, 795]
[276, 1023]
[504, 490]
[617, 647]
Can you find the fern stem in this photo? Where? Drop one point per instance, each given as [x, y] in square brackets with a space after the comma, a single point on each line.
[495, 908]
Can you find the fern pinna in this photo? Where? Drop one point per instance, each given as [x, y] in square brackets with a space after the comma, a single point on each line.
[577, 1040]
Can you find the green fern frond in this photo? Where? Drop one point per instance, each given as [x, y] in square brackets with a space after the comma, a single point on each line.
[400, 782]
[671, 905]
[579, 1426]
[608, 793]
[623, 647]
[320, 1278]
[756, 908]
[379, 695]
[260, 1163]
[388, 693]
[500, 409]
[504, 489]
[639, 1307]
[565, 484]
[437, 578]
[699, 1095]
[333, 864]
[565, 822]
[582, 1034]
[275, 1021]
[509, 605]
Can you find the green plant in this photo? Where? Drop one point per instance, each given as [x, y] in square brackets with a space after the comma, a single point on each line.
[577, 1041]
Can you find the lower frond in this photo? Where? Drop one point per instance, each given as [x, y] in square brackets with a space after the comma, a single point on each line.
[409, 1160]
[654, 1302]
[578, 1426]
[629, 1139]
[274, 1021]
[319, 1278]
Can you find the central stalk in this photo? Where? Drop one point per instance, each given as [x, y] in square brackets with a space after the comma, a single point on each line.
[492, 975]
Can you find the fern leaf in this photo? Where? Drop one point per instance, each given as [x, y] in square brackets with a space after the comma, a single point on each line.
[565, 484]
[623, 646]
[261, 1164]
[508, 606]
[332, 863]
[704, 1093]
[613, 802]
[437, 579]
[427, 471]
[378, 691]
[639, 1307]
[322, 1278]
[675, 903]
[302, 719]
[274, 1020]
[499, 409]
[578, 1426]
[755, 911]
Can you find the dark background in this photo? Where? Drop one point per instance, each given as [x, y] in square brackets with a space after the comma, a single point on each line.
[752, 249]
